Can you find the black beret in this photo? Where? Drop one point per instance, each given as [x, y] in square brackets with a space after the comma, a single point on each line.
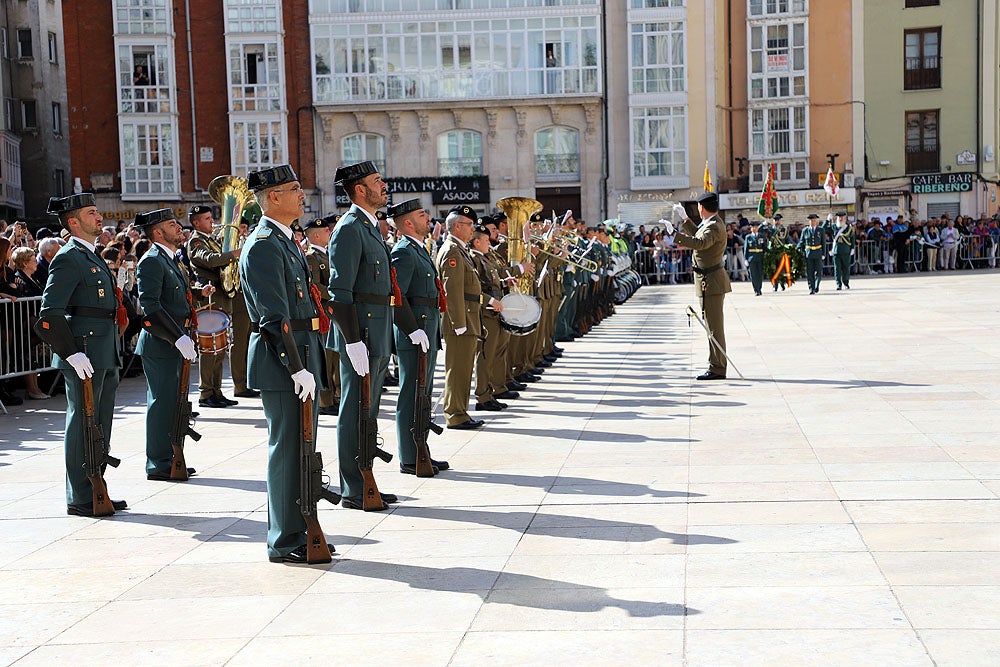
[486, 220]
[708, 198]
[198, 209]
[535, 217]
[465, 210]
[150, 218]
[296, 227]
[59, 205]
[408, 206]
[332, 220]
[812, 216]
[269, 178]
[315, 223]
[380, 215]
[43, 233]
[353, 172]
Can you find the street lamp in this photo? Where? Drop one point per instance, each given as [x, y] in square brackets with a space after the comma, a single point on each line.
[740, 161]
[833, 161]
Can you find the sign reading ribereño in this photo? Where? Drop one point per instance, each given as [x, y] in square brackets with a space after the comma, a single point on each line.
[930, 183]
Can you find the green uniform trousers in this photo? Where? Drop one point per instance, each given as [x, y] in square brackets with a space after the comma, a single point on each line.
[842, 269]
[756, 269]
[349, 420]
[407, 395]
[163, 378]
[814, 272]
[105, 383]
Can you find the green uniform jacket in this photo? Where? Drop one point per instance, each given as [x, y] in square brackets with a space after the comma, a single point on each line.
[208, 260]
[360, 264]
[845, 242]
[276, 279]
[162, 286]
[461, 287]
[754, 246]
[708, 240]
[812, 241]
[415, 275]
[78, 277]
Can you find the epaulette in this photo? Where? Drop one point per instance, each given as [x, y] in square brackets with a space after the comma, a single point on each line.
[264, 232]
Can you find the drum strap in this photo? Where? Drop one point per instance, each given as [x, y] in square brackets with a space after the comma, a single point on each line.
[194, 313]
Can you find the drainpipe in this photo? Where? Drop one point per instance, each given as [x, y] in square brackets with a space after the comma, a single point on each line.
[194, 115]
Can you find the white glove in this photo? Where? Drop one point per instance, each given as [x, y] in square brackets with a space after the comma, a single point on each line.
[679, 212]
[829, 217]
[186, 347]
[305, 384]
[852, 253]
[609, 272]
[669, 227]
[594, 277]
[358, 354]
[461, 330]
[81, 364]
[419, 337]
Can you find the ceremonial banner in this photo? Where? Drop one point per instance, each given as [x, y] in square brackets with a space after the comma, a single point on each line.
[768, 204]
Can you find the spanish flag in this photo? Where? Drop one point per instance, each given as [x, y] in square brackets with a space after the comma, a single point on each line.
[768, 204]
[708, 179]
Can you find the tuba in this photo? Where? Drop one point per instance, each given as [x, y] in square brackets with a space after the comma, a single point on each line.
[232, 193]
[518, 210]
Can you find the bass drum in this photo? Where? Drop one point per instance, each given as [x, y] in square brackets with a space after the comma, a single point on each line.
[520, 313]
[213, 331]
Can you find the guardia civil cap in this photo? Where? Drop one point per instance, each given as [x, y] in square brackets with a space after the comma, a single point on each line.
[465, 210]
[402, 208]
[486, 220]
[812, 216]
[841, 214]
[59, 205]
[353, 172]
[271, 177]
[150, 218]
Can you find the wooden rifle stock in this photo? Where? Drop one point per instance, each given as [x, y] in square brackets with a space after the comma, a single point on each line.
[182, 425]
[371, 498]
[317, 549]
[94, 455]
[422, 419]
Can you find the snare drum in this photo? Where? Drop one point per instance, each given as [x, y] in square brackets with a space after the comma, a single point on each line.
[520, 313]
[213, 331]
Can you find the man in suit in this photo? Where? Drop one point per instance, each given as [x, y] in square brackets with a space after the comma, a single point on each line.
[708, 241]
[168, 312]
[812, 240]
[362, 289]
[80, 309]
[286, 351]
[418, 284]
[461, 326]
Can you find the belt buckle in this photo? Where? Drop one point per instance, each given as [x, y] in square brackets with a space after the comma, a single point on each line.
[314, 324]
[392, 300]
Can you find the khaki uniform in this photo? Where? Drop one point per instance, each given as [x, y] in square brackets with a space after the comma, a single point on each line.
[207, 261]
[708, 240]
[463, 293]
[490, 378]
[319, 274]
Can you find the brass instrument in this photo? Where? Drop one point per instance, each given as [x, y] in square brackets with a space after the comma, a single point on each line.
[563, 247]
[232, 193]
[518, 210]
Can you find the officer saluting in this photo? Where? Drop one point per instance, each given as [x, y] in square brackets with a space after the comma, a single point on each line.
[286, 352]
[168, 311]
[80, 308]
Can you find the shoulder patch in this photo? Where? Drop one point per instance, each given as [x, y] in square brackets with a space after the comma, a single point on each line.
[265, 232]
[452, 262]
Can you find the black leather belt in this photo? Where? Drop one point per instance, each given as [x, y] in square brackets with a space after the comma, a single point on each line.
[705, 272]
[376, 299]
[429, 302]
[87, 311]
[475, 298]
[297, 325]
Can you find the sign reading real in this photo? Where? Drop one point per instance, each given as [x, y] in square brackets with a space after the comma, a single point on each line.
[444, 190]
[929, 183]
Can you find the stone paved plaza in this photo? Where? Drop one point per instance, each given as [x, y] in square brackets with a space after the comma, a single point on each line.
[839, 506]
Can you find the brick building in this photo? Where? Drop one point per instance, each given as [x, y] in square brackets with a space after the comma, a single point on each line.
[164, 96]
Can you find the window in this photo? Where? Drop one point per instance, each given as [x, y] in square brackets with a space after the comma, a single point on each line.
[24, 44]
[460, 153]
[8, 114]
[253, 16]
[659, 141]
[657, 58]
[557, 154]
[771, 7]
[922, 59]
[57, 119]
[922, 149]
[4, 49]
[59, 183]
[777, 131]
[921, 3]
[53, 48]
[778, 61]
[360, 147]
[254, 77]
[29, 115]
[148, 162]
[786, 172]
[644, 4]
[142, 17]
[144, 79]
[258, 144]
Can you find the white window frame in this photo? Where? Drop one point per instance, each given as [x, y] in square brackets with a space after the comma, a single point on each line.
[247, 150]
[459, 159]
[563, 166]
[31, 44]
[57, 119]
[768, 70]
[267, 95]
[362, 146]
[789, 173]
[671, 30]
[143, 17]
[257, 17]
[25, 105]
[53, 48]
[150, 161]
[765, 127]
[641, 148]
[763, 8]
[156, 98]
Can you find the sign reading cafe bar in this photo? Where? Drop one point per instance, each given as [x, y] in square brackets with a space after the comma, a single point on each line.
[942, 183]
[443, 189]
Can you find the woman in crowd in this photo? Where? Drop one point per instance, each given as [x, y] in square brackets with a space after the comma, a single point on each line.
[932, 241]
[25, 263]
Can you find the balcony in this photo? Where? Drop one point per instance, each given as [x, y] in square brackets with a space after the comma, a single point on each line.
[920, 161]
[557, 167]
[922, 73]
[462, 166]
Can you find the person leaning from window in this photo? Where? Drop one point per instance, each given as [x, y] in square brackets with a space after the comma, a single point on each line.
[139, 76]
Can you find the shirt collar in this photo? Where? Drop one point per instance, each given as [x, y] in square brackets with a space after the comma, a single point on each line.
[318, 247]
[165, 249]
[89, 246]
[284, 229]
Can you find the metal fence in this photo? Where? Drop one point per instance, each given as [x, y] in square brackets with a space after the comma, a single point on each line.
[21, 352]
[670, 266]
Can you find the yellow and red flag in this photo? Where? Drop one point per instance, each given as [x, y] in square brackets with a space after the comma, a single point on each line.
[708, 179]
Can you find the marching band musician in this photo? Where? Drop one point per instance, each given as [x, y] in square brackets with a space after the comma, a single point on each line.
[317, 233]
[461, 326]
[207, 260]
[78, 317]
[168, 312]
[503, 371]
[417, 279]
[285, 357]
[488, 382]
[362, 287]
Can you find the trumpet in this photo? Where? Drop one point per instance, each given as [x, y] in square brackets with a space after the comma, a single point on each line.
[564, 248]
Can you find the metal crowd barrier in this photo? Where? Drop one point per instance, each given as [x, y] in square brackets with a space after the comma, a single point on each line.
[670, 267]
[21, 353]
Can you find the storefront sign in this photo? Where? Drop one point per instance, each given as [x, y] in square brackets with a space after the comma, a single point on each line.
[787, 198]
[942, 183]
[444, 190]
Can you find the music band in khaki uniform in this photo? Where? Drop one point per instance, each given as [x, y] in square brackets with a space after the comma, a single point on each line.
[327, 301]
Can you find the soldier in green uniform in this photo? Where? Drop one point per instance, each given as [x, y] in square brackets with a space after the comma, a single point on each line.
[362, 288]
[708, 240]
[78, 317]
[168, 310]
[318, 233]
[496, 338]
[417, 279]
[204, 252]
[754, 246]
[842, 251]
[812, 240]
[285, 353]
[461, 326]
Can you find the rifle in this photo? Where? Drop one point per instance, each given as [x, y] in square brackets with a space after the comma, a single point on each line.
[95, 456]
[368, 448]
[422, 423]
[311, 487]
[182, 426]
